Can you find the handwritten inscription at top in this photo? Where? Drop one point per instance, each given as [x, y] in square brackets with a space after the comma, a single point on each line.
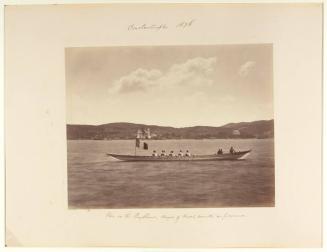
[184, 24]
[160, 27]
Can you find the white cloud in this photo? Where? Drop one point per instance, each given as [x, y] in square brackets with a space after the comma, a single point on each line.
[138, 80]
[246, 68]
[194, 72]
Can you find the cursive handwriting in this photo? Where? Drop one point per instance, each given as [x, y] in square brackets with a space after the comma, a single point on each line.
[159, 27]
[134, 27]
[173, 217]
[185, 24]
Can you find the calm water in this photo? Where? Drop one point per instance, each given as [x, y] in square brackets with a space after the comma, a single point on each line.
[98, 181]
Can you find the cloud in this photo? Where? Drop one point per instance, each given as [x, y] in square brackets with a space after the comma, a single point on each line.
[193, 72]
[246, 68]
[138, 80]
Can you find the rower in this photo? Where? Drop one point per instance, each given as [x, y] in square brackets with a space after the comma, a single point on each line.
[163, 153]
[154, 153]
[171, 154]
[180, 154]
[188, 154]
[231, 150]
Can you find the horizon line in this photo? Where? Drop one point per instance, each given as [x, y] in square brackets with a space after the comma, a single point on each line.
[272, 119]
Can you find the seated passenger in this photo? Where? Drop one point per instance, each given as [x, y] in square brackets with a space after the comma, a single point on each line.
[188, 154]
[180, 154]
[163, 153]
[171, 154]
[154, 153]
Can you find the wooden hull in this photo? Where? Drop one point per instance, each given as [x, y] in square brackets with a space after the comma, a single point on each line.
[215, 157]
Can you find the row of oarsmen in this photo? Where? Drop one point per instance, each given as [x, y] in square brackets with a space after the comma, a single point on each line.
[171, 154]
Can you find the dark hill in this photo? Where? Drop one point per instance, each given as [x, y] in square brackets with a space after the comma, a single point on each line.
[122, 130]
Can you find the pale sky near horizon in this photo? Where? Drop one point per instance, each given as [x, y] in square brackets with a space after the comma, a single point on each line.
[175, 86]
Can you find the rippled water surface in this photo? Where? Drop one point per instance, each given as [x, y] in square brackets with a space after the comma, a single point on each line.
[98, 181]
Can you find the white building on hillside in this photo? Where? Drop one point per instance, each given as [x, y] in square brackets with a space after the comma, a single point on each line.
[236, 132]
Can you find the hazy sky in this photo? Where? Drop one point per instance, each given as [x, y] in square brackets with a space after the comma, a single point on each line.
[169, 85]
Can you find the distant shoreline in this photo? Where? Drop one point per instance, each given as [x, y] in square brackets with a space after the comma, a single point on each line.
[145, 140]
[126, 131]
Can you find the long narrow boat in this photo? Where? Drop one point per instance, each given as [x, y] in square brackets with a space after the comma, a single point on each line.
[215, 157]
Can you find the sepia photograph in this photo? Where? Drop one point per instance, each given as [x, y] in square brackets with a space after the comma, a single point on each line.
[150, 124]
[170, 126]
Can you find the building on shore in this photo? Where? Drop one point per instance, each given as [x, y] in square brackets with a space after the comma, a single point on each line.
[236, 133]
[143, 133]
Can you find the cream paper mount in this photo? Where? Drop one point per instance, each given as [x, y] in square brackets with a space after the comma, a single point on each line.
[37, 184]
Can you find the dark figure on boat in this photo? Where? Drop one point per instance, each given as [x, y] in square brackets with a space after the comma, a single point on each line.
[163, 153]
[171, 154]
[188, 154]
[220, 151]
[231, 150]
[180, 154]
[154, 153]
